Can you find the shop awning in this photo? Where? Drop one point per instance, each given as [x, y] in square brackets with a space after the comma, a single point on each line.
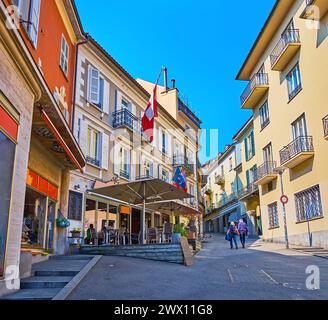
[142, 192]
[177, 207]
[150, 190]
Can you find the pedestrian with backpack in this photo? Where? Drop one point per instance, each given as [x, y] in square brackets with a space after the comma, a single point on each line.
[232, 234]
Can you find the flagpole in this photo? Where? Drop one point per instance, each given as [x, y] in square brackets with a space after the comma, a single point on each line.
[159, 76]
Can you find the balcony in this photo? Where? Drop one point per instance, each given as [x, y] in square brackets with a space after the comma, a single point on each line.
[125, 119]
[285, 50]
[249, 192]
[92, 161]
[220, 180]
[182, 161]
[266, 173]
[298, 151]
[203, 180]
[325, 127]
[315, 9]
[254, 92]
[227, 200]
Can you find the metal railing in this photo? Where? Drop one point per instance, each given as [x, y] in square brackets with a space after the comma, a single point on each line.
[259, 79]
[249, 190]
[325, 126]
[181, 160]
[299, 145]
[289, 36]
[226, 200]
[93, 161]
[265, 169]
[124, 118]
[125, 174]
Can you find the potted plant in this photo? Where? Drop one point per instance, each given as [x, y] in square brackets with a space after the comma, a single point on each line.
[76, 232]
[178, 232]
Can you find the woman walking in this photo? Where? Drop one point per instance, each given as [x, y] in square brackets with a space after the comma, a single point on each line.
[232, 234]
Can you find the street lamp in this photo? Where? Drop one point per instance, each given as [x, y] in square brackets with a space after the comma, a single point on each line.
[280, 171]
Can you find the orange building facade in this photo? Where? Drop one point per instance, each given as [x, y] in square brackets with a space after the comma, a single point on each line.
[38, 44]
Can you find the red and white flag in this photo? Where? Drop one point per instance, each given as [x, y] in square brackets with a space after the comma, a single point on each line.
[148, 119]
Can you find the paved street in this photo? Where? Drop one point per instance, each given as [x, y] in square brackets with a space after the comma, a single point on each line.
[262, 271]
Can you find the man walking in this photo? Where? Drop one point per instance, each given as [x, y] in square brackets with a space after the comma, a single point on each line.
[243, 231]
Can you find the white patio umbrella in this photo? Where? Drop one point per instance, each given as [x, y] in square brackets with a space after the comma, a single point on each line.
[142, 192]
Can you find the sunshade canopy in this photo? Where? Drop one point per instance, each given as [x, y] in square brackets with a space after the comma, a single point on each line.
[178, 207]
[148, 190]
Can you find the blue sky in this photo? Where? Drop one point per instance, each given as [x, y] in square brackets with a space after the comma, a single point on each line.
[202, 43]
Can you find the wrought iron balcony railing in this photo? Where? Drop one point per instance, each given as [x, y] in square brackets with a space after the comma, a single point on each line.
[125, 119]
[125, 174]
[265, 169]
[290, 36]
[325, 126]
[92, 161]
[259, 79]
[296, 147]
[181, 160]
[248, 191]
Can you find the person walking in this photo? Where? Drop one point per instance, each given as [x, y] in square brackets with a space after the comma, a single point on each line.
[243, 232]
[232, 234]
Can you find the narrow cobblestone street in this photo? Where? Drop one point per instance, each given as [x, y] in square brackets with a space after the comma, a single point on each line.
[262, 271]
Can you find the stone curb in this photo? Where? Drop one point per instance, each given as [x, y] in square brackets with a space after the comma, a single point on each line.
[67, 290]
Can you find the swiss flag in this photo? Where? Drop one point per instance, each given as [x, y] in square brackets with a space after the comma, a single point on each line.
[148, 119]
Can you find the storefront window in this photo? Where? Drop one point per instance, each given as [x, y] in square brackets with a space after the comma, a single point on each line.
[34, 224]
[7, 151]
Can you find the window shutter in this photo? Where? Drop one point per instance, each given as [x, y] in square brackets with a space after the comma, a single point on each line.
[116, 158]
[106, 97]
[99, 147]
[253, 143]
[84, 136]
[94, 85]
[169, 145]
[247, 178]
[128, 162]
[101, 93]
[133, 164]
[34, 21]
[118, 100]
[105, 148]
[246, 149]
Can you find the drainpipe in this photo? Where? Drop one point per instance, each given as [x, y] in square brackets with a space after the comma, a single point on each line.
[75, 75]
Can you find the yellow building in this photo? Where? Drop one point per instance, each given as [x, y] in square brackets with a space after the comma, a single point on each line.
[287, 91]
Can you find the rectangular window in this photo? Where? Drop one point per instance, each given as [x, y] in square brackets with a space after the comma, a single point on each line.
[308, 204]
[64, 55]
[294, 82]
[165, 176]
[148, 168]
[192, 192]
[230, 164]
[299, 127]
[93, 146]
[267, 153]
[124, 163]
[7, 151]
[94, 86]
[75, 206]
[164, 143]
[249, 146]
[273, 215]
[264, 115]
[29, 11]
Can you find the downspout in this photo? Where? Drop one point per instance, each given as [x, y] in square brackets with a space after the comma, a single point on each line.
[75, 75]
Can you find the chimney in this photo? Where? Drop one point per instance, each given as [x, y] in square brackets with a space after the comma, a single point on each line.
[165, 79]
[173, 83]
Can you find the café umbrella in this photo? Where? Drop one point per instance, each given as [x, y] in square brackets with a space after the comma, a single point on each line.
[143, 192]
